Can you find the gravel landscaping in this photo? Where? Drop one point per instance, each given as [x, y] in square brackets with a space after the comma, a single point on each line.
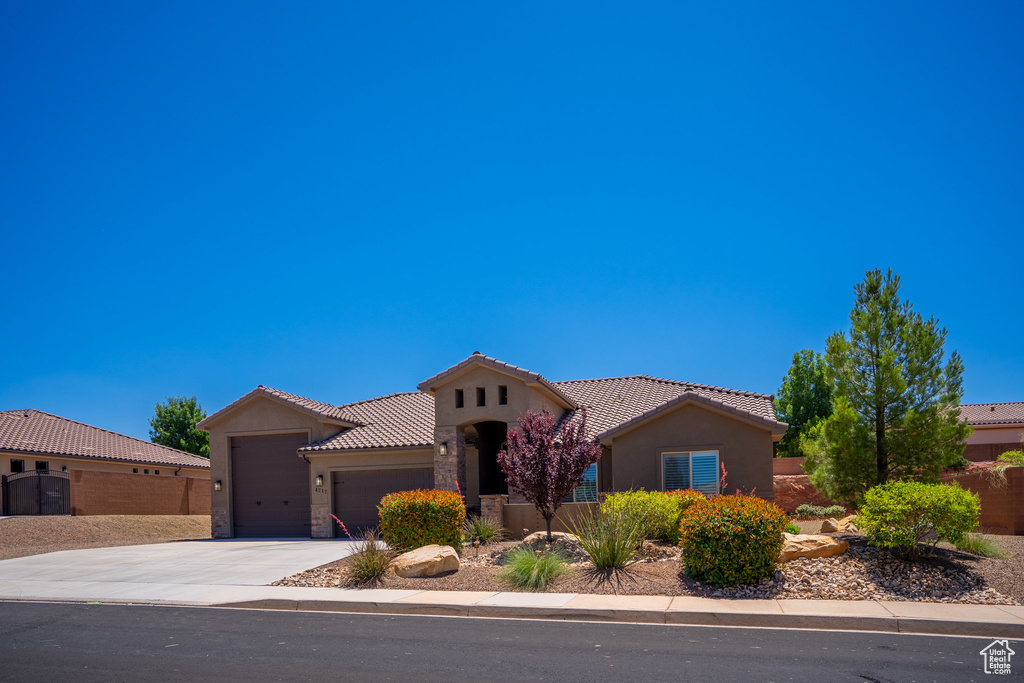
[23, 536]
[862, 573]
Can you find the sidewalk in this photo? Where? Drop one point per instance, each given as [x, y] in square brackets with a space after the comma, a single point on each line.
[234, 575]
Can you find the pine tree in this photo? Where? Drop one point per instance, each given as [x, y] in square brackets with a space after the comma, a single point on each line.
[895, 403]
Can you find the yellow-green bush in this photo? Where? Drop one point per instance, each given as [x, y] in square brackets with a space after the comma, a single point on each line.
[657, 512]
[904, 514]
[412, 519]
[728, 540]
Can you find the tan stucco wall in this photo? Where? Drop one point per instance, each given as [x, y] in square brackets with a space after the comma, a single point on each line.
[260, 415]
[322, 497]
[745, 449]
[58, 462]
[995, 435]
[521, 398]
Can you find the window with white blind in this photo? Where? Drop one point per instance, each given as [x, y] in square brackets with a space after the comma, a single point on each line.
[587, 491]
[697, 470]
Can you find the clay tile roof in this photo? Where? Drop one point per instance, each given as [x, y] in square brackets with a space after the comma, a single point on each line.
[35, 432]
[993, 413]
[394, 421]
[614, 401]
[480, 359]
[324, 411]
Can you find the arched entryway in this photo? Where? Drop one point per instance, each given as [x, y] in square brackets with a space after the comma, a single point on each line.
[488, 437]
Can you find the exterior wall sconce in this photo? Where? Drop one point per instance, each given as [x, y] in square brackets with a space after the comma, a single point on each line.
[444, 448]
[217, 485]
[64, 469]
[319, 480]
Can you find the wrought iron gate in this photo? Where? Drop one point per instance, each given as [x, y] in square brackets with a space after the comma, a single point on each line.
[37, 493]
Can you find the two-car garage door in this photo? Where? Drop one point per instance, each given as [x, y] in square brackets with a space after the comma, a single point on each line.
[357, 492]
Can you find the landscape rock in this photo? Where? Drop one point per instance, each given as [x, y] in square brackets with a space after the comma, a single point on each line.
[829, 526]
[810, 546]
[539, 536]
[430, 560]
[847, 524]
[792, 490]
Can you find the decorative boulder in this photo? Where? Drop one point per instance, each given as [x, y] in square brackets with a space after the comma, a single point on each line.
[829, 526]
[811, 546]
[844, 525]
[556, 536]
[429, 560]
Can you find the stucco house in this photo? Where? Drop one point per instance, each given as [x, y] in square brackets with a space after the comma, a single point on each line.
[106, 473]
[282, 464]
[998, 427]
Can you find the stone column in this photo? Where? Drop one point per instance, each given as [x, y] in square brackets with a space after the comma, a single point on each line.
[450, 469]
[321, 524]
[492, 508]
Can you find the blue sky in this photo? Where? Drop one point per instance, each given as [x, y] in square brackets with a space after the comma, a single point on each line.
[341, 199]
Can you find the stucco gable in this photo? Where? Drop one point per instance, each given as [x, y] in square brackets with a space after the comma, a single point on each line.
[776, 428]
[532, 379]
[324, 412]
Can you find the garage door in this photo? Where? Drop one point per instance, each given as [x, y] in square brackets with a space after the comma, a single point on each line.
[356, 493]
[269, 486]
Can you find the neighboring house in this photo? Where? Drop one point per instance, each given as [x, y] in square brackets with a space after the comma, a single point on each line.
[108, 473]
[283, 464]
[998, 427]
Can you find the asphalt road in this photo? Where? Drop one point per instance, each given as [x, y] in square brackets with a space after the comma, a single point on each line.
[69, 642]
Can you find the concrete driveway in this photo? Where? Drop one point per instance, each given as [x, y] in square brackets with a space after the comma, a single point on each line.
[185, 570]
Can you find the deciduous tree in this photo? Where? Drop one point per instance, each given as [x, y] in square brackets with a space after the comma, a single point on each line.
[545, 463]
[895, 403]
[804, 398]
[174, 424]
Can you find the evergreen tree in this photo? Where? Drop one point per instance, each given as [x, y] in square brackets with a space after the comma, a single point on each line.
[895, 403]
[174, 424]
[804, 398]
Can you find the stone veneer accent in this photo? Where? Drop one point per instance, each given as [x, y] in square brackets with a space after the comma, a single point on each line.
[219, 526]
[321, 524]
[450, 470]
[492, 508]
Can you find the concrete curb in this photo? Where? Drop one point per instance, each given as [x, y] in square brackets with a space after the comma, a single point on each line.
[892, 624]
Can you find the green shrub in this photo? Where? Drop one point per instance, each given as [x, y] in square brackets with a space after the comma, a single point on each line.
[370, 560]
[904, 514]
[728, 540]
[658, 512]
[478, 528]
[821, 512]
[533, 569]
[978, 544]
[792, 528]
[611, 539]
[411, 519]
[1010, 459]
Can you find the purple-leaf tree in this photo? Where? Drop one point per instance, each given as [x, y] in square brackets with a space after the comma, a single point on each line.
[545, 464]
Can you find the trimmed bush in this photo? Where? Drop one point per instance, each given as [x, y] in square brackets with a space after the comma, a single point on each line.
[905, 514]
[728, 540]
[611, 539]
[412, 519]
[657, 512]
[533, 569]
[821, 512]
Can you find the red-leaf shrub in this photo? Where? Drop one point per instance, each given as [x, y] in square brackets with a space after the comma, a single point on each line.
[412, 519]
[544, 461]
[728, 540]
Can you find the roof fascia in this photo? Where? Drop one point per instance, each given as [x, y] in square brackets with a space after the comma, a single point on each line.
[777, 429]
[124, 461]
